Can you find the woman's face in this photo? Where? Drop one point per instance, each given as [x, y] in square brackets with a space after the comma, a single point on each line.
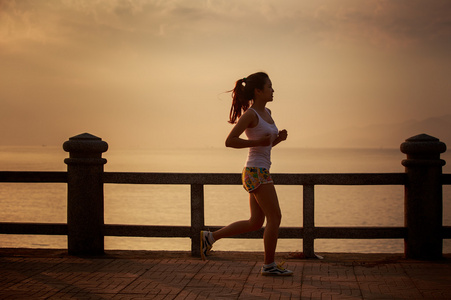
[267, 92]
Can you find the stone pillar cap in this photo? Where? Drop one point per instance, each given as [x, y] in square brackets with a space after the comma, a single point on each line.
[423, 144]
[85, 142]
[85, 136]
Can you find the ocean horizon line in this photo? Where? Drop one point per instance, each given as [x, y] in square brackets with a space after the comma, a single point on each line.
[205, 147]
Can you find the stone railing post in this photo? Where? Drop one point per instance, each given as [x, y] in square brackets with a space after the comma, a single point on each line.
[423, 204]
[85, 219]
[197, 217]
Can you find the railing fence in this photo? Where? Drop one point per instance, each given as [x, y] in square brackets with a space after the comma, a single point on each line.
[423, 180]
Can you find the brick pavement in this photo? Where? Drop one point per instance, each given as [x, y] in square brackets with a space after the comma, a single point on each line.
[51, 274]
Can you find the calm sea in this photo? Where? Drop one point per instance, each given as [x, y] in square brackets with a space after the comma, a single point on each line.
[170, 205]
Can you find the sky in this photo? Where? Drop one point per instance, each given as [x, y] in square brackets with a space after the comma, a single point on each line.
[150, 73]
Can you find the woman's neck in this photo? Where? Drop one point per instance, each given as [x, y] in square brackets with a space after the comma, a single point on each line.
[259, 106]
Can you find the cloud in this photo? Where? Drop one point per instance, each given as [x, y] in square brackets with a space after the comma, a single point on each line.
[385, 24]
[393, 24]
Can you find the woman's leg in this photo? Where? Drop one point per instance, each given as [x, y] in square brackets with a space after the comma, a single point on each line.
[266, 197]
[255, 222]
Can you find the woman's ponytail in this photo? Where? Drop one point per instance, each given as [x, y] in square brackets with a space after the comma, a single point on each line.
[243, 94]
[239, 103]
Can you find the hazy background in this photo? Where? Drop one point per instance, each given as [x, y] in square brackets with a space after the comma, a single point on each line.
[153, 73]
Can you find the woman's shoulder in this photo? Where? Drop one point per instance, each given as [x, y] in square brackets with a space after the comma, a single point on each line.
[251, 111]
[251, 117]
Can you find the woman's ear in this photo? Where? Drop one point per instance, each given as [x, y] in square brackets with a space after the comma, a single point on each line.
[257, 91]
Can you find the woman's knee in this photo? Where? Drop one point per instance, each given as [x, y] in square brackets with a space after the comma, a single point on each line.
[274, 218]
[256, 223]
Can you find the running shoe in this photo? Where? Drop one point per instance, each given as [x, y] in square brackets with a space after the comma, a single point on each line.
[205, 245]
[275, 270]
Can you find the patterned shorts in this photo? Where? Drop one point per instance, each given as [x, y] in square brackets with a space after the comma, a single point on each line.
[253, 177]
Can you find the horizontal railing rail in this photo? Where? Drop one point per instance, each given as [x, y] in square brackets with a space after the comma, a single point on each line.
[36, 177]
[235, 179]
[33, 228]
[217, 178]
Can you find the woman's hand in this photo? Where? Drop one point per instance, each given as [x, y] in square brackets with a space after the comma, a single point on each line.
[283, 135]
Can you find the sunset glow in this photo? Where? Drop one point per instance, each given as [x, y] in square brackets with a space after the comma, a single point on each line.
[154, 73]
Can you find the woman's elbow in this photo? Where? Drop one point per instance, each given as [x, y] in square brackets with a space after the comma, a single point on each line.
[228, 143]
[231, 142]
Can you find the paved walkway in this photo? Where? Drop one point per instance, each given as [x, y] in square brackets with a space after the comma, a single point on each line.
[52, 274]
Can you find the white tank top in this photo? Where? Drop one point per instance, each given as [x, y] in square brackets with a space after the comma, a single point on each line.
[260, 157]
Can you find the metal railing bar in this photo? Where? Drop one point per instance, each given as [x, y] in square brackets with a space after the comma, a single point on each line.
[235, 178]
[33, 228]
[26, 176]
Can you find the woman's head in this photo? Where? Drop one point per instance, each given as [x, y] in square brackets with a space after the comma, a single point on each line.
[244, 92]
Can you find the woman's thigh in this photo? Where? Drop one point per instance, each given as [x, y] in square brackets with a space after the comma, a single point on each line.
[257, 214]
[266, 198]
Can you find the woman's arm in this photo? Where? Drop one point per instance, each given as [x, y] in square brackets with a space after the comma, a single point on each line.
[248, 119]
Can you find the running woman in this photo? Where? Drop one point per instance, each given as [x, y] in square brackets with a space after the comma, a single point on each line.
[250, 115]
